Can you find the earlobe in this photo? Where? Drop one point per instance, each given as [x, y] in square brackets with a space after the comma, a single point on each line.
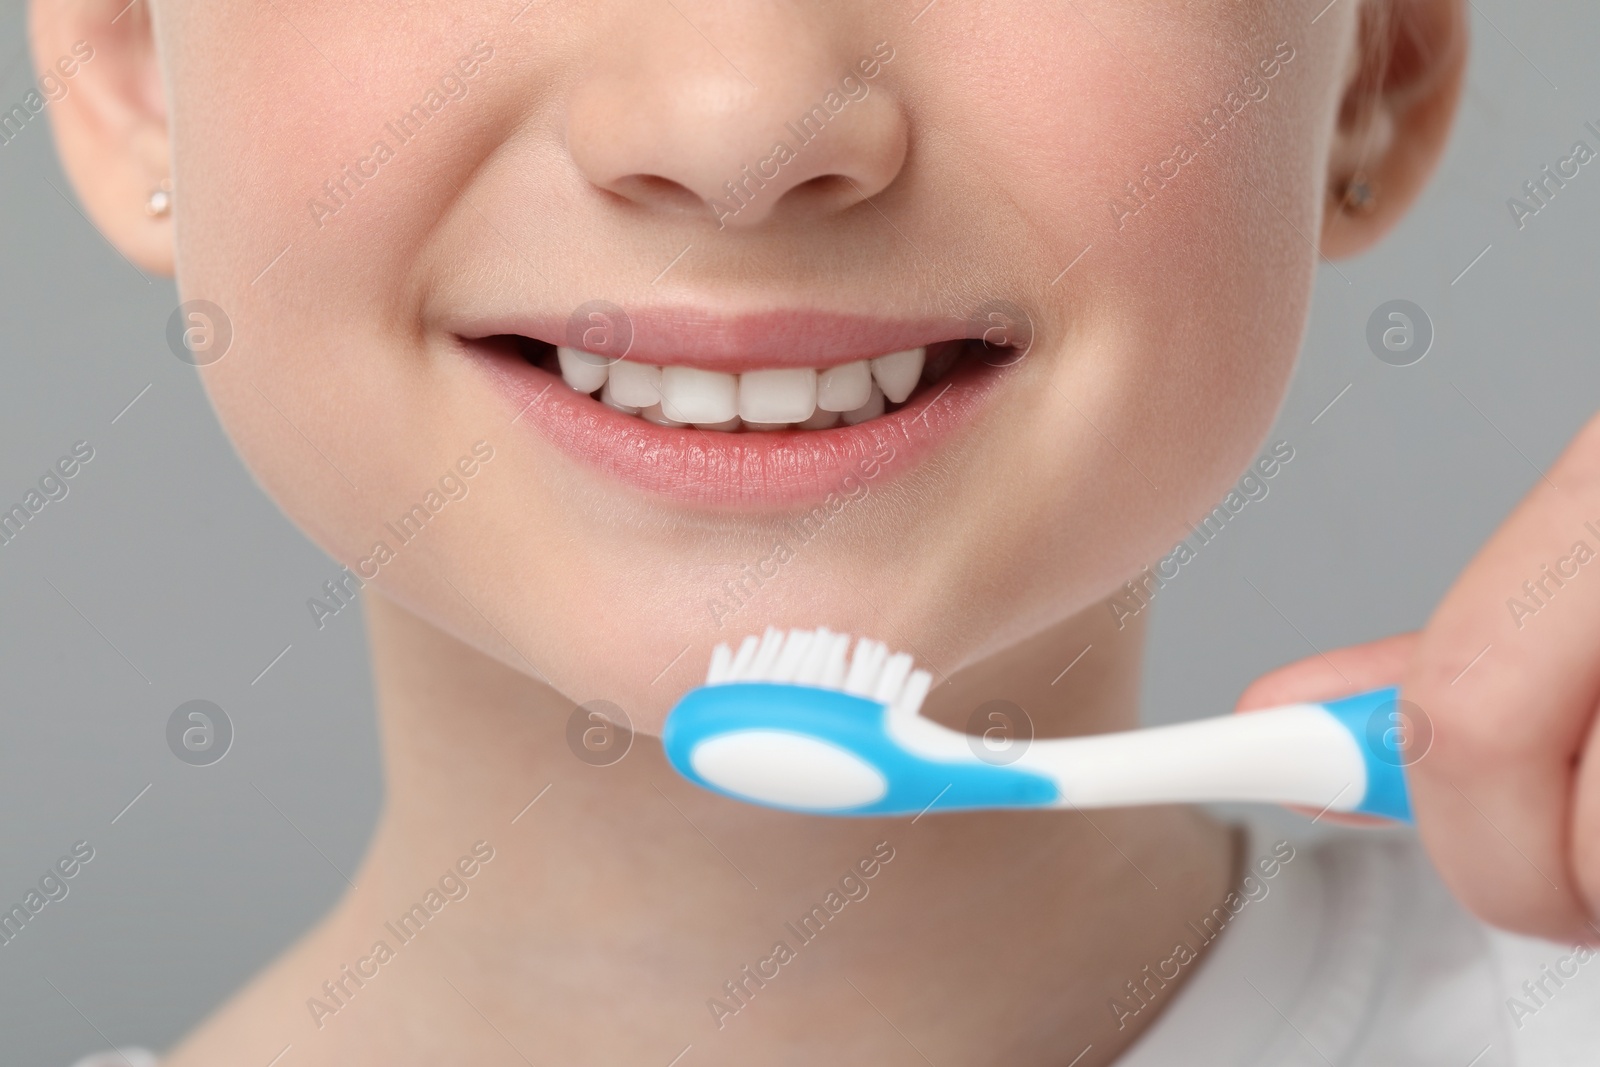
[98, 72]
[1394, 118]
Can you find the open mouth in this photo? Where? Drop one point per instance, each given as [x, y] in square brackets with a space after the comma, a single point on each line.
[767, 399]
[766, 410]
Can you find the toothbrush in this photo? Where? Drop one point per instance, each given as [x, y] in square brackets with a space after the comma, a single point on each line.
[795, 721]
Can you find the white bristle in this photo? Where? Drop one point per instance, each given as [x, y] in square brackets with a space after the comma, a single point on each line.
[837, 663]
[822, 658]
[794, 653]
[721, 662]
[811, 668]
[892, 678]
[743, 659]
[864, 667]
[760, 667]
[912, 694]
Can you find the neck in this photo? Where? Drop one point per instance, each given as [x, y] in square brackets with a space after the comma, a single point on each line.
[617, 914]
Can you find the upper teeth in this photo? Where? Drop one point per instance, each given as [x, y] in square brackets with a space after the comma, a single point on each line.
[763, 399]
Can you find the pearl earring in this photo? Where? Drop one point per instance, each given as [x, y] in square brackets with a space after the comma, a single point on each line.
[159, 203]
[1360, 194]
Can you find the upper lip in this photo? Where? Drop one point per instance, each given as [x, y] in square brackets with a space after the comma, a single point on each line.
[685, 336]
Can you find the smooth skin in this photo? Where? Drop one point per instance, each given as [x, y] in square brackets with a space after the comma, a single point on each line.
[570, 171]
[577, 166]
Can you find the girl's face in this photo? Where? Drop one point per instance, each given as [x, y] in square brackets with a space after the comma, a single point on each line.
[1097, 217]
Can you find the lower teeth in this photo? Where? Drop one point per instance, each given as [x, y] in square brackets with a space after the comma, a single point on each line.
[875, 406]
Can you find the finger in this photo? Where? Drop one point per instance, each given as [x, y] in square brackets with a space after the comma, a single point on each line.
[1328, 676]
[1508, 673]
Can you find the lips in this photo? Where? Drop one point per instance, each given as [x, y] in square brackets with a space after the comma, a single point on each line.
[772, 411]
[731, 343]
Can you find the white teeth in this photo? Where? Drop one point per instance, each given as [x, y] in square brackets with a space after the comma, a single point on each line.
[897, 373]
[820, 421]
[870, 410]
[638, 384]
[653, 414]
[690, 394]
[767, 399]
[845, 387]
[612, 402]
[781, 396]
[584, 371]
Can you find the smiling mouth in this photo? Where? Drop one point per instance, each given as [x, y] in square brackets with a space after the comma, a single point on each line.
[765, 399]
[776, 409]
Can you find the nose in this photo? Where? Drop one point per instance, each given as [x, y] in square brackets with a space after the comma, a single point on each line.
[750, 118]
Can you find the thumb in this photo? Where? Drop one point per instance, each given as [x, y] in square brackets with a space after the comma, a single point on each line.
[1328, 676]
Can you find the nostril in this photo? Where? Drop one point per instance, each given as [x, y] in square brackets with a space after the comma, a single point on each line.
[824, 193]
[652, 190]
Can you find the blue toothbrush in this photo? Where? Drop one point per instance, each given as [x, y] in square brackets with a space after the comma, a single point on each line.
[796, 721]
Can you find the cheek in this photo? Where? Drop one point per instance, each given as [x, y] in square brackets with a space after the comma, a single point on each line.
[326, 392]
[1177, 326]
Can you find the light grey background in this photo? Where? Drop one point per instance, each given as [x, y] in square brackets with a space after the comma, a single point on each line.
[167, 576]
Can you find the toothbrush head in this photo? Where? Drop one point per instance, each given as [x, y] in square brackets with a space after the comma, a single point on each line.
[795, 721]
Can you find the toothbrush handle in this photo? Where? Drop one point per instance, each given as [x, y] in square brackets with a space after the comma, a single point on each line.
[1381, 727]
[1343, 755]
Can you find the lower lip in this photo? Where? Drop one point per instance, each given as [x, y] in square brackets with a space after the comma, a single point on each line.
[778, 468]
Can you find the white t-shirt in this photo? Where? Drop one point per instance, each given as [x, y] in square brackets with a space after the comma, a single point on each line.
[1350, 954]
[1354, 953]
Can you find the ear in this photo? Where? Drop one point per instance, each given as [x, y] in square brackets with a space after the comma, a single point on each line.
[97, 69]
[1400, 96]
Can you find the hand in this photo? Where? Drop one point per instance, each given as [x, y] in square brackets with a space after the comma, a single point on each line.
[1507, 674]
